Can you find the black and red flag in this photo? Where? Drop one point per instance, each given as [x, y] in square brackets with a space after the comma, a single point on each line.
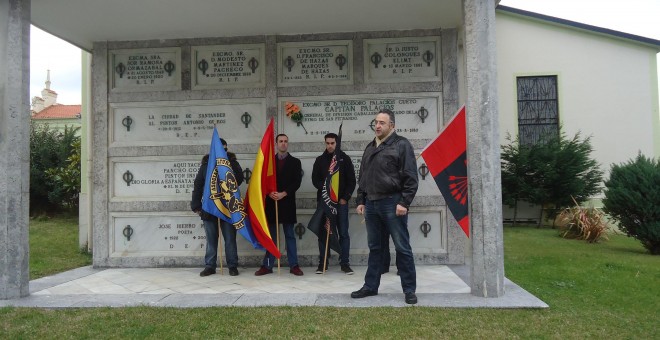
[446, 159]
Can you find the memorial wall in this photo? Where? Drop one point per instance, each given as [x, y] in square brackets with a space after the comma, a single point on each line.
[156, 103]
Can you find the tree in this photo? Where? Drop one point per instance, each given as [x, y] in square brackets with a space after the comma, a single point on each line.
[567, 172]
[549, 173]
[515, 174]
[632, 197]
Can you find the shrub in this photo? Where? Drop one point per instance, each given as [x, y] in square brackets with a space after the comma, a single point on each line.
[583, 224]
[51, 154]
[632, 198]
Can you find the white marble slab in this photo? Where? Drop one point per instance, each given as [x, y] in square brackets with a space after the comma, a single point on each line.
[417, 115]
[156, 234]
[315, 63]
[182, 234]
[160, 178]
[228, 66]
[402, 60]
[186, 122]
[148, 69]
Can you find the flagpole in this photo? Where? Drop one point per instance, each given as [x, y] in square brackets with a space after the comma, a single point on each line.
[220, 245]
[325, 256]
[277, 232]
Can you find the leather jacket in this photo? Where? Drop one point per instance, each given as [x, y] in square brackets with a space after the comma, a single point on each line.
[387, 170]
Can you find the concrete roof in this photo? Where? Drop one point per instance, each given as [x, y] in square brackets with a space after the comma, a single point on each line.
[82, 22]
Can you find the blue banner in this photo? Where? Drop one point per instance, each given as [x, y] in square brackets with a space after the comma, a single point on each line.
[222, 196]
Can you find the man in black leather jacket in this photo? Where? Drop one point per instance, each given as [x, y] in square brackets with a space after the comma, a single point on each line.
[211, 222]
[387, 186]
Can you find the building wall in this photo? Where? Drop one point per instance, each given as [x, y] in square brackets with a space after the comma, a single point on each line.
[608, 86]
[119, 208]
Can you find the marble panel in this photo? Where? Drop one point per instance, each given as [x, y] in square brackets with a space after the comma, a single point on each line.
[315, 63]
[417, 115]
[161, 178]
[398, 60]
[148, 69]
[186, 122]
[228, 66]
[156, 234]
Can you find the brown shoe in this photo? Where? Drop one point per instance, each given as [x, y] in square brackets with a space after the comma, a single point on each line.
[263, 271]
[295, 270]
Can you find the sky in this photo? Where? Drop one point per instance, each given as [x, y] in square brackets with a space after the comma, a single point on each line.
[639, 17]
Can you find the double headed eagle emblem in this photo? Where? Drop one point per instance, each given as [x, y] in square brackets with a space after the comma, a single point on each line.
[224, 193]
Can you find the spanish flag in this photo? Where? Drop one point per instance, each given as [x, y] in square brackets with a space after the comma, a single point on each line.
[263, 181]
[446, 158]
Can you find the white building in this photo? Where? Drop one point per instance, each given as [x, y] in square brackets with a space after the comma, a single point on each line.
[605, 82]
[602, 83]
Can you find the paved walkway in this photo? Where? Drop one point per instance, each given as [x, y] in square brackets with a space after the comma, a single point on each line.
[437, 286]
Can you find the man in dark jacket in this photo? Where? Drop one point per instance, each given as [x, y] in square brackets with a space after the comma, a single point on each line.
[289, 178]
[346, 188]
[211, 222]
[387, 186]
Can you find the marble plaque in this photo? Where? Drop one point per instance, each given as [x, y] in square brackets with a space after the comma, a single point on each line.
[402, 60]
[315, 63]
[227, 66]
[186, 122]
[153, 69]
[417, 116]
[164, 178]
[157, 234]
[182, 234]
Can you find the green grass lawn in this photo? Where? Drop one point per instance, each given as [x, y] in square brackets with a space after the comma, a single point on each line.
[54, 246]
[605, 291]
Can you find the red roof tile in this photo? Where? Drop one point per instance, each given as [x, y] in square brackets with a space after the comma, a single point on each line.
[56, 111]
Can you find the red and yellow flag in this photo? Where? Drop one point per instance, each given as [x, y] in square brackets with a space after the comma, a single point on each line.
[263, 181]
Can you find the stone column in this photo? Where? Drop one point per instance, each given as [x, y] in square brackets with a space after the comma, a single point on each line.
[483, 149]
[14, 147]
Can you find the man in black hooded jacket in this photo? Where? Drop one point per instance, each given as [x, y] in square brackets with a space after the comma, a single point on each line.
[346, 188]
[211, 222]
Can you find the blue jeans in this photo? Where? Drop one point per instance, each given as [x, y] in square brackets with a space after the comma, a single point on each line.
[386, 252]
[291, 252]
[381, 216]
[344, 237]
[229, 234]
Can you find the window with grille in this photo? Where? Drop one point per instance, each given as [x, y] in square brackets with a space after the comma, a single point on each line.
[538, 109]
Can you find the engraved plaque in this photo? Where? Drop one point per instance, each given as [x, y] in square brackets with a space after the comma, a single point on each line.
[161, 234]
[416, 116]
[164, 178]
[187, 122]
[157, 69]
[224, 66]
[402, 60]
[315, 63]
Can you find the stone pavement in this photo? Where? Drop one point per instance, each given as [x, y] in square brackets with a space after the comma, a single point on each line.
[437, 286]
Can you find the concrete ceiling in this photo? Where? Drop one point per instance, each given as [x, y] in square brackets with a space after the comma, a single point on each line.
[82, 22]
